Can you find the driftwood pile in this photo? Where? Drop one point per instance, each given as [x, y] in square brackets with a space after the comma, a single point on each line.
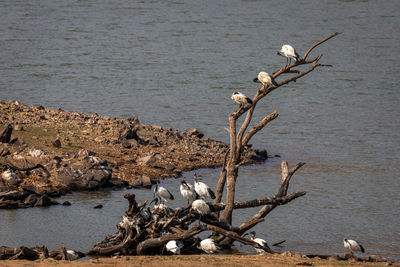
[146, 231]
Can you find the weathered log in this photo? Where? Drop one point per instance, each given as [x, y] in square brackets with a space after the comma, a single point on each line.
[238, 238]
[152, 243]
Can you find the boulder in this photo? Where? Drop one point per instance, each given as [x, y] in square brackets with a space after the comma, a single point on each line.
[148, 161]
[195, 132]
[84, 174]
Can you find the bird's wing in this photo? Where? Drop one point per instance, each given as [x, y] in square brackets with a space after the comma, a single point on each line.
[170, 195]
[211, 193]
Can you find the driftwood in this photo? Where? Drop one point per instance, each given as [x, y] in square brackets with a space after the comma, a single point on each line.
[146, 230]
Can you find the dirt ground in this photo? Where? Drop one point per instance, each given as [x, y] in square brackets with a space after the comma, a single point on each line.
[197, 260]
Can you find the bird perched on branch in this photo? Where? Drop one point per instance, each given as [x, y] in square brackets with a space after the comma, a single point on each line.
[241, 99]
[201, 207]
[289, 52]
[265, 79]
[353, 246]
[208, 246]
[162, 193]
[260, 241]
[174, 246]
[202, 189]
[187, 191]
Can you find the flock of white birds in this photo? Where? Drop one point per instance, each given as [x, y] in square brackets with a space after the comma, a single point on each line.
[266, 79]
[197, 193]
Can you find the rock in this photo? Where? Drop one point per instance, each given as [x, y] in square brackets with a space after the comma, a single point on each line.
[43, 201]
[98, 206]
[116, 182]
[100, 139]
[146, 182]
[126, 143]
[148, 161]
[84, 174]
[128, 132]
[376, 258]
[56, 143]
[136, 183]
[195, 132]
[66, 203]
[169, 166]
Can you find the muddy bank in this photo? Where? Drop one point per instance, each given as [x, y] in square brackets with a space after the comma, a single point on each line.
[47, 152]
[45, 258]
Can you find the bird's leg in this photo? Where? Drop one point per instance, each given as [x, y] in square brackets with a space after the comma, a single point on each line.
[287, 61]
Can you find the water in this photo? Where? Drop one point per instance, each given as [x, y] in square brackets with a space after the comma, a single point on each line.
[176, 64]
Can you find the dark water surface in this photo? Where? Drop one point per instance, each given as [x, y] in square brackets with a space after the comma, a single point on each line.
[176, 64]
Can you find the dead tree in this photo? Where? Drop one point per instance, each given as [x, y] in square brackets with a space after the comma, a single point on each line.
[145, 231]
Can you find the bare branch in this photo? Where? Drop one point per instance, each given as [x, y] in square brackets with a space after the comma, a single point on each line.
[318, 43]
[259, 202]
[239, 238]
[221, 181]
[259, 126]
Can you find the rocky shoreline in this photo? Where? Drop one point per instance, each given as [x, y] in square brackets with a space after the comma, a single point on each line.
[46, 153]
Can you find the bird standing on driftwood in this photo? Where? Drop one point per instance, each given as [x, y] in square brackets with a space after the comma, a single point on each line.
[353, 246]
[265, 79]
[241, 99]
[289, 52]
[162, 193]
[260, 241]
[201, 207]
[208, 246]
[202, 189]
[187, 191]
[174, 246]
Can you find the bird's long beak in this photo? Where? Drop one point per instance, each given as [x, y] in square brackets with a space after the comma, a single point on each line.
[256, 80]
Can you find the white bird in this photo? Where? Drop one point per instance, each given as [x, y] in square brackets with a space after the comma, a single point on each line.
[162, 193]
[200, 206]
[260, 241]
[353, 246]
[202, 189]
[174, 246]
[208, 246]
[265, 79]
[74, 254]
[241, 99]
[289, 52]
[187, 191]
[9, 177]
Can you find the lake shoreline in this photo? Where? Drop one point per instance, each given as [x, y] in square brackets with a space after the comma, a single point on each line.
[284, 259]
[50, 152]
